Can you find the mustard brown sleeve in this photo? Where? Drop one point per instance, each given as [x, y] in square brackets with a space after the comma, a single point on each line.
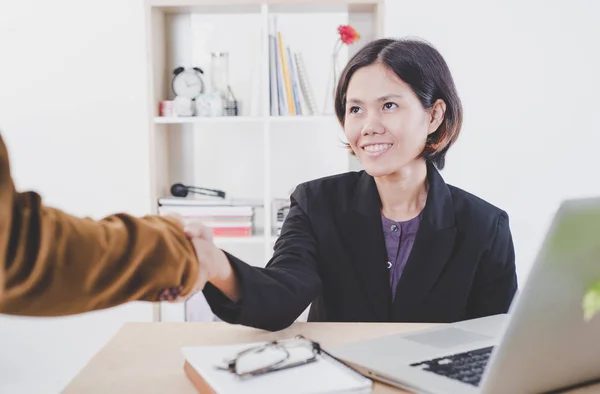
[53, 263]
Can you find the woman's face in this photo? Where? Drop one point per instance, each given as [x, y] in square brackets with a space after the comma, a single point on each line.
[385, 123]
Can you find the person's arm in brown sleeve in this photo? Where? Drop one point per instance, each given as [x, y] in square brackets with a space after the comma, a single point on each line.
[53, 264]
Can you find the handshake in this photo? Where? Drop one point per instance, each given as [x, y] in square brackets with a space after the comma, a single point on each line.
[213, 264]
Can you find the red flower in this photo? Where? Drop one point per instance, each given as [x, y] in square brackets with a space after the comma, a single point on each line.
[347, 34]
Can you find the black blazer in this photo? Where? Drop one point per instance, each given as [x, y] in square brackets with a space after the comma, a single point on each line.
[332, 253]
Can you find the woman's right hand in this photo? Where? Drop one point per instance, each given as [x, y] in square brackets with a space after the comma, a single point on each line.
[214, 265]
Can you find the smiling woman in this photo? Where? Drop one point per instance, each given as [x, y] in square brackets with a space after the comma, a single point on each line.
[404, 87]
[393, 242]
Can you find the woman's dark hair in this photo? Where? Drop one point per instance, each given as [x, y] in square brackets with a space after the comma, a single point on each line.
[423, 68]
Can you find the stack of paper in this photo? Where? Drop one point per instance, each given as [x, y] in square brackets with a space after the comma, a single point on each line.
[326, 375]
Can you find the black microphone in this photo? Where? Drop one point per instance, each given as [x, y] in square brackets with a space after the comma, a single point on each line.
[181, 190]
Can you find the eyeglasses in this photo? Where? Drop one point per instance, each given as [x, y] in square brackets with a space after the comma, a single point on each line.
[274, 356]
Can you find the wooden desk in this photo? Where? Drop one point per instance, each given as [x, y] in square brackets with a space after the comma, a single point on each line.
[146, 357]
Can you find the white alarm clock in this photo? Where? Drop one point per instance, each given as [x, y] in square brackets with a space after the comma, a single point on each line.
[187, 85]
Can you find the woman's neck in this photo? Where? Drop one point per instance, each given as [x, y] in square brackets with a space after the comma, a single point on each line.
[404, 193]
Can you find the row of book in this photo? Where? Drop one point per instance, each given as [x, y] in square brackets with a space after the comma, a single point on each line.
[225, 218]
[290, 90]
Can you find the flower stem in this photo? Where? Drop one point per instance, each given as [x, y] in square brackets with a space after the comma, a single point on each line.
[337, 47]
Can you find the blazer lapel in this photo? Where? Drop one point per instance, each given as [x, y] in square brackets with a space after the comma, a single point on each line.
[363, 233]
[432, 248]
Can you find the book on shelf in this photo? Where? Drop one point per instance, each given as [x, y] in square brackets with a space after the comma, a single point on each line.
[289, 87]
[305, 87]
[233, 218]
[211, 201]
[232, 232]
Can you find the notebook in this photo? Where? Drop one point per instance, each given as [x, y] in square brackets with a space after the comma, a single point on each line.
[324, 376]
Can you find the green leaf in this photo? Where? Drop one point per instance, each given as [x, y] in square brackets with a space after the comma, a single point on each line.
[591, 302]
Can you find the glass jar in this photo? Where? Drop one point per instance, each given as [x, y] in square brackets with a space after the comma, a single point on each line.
[220, 73]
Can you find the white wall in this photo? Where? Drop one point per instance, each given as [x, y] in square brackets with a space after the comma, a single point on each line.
[72, 111]
[72, 93]
[528, 73]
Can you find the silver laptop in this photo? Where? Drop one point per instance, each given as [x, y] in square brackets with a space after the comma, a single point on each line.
[542, 344]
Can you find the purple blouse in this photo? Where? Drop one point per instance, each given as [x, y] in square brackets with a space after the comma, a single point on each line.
[399, 240]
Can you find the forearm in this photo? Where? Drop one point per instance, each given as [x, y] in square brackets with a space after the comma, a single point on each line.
[57, 264]
[228, 283]
[270, 298]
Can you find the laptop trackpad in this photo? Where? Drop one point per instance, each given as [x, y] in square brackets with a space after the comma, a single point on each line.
[446, 337]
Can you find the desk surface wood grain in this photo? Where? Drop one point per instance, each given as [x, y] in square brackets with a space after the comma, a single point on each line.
[146, 357]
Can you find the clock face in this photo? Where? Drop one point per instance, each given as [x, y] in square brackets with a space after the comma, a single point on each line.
[188, 83]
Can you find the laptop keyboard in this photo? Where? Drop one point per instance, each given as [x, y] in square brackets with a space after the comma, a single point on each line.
[467, 367]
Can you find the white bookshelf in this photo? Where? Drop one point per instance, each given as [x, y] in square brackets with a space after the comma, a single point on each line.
[239, 119]
[206, 120]
[254, 155]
